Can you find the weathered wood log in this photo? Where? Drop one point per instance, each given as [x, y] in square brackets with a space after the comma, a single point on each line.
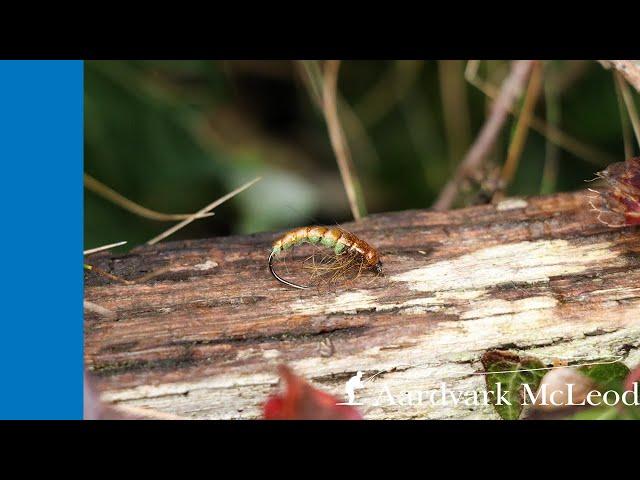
[203, 339]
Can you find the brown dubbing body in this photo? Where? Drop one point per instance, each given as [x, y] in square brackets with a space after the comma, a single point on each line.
[340, 240]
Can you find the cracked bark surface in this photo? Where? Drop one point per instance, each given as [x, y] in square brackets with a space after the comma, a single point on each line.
[203, 339]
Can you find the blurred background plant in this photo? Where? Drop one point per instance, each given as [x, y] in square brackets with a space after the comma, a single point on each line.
[172, 136]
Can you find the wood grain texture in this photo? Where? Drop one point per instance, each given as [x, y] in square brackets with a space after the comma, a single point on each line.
[203, 339]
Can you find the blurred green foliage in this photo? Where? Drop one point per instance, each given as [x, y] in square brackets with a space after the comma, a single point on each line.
[175, 135]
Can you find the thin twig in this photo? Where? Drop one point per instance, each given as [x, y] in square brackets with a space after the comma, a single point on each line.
[103, 248]
[631, 107]
[338, 141]
[108, 193]
[510, 90]
[198, 214]
[588, 153]
[522, 126]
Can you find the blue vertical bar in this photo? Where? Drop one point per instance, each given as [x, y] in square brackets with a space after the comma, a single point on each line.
[41, 127]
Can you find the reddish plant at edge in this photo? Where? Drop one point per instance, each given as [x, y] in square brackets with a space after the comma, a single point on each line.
[633, 377]
[621, 201]
[301, 401]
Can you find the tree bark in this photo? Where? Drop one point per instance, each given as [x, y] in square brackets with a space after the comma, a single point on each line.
[538, 276]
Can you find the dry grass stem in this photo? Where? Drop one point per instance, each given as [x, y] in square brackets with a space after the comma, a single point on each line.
[522, 126]
[103, 248]
[108, 193]
[202, 211]
[624, 120]
[588, 153]
[510, 90]
[630, 105]
[336, 135]
[311, 75]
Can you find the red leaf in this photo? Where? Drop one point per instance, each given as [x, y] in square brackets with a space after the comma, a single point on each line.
[301, 401]
[621, 202]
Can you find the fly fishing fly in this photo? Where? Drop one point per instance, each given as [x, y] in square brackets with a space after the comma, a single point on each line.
[345, 252]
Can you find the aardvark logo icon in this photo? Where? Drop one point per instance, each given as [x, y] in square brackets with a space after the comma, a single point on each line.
[353, 384]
